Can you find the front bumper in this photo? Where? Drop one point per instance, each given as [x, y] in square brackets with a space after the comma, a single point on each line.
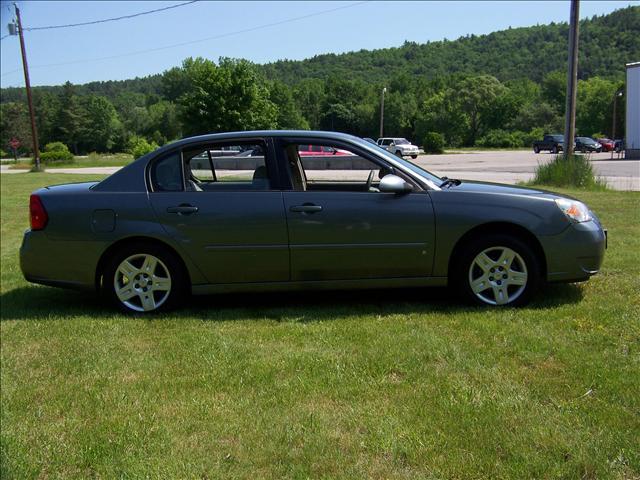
[576, 254]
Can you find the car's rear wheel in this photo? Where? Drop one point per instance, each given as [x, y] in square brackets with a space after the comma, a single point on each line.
[144, 278]
[399, 153]
[498, 270]
[554, 150]
[536, 149]
[414, 156]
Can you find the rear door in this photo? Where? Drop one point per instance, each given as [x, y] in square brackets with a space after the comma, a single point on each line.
[226, 211]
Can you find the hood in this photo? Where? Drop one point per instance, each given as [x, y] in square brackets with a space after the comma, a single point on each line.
[499, 188]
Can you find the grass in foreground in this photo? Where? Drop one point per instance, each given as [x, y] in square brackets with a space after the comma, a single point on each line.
[390, 384]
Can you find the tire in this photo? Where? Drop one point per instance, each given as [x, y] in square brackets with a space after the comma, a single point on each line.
[398, 153]
[142, 278]
[472, 273]
[536, 149]
[554, 150]
[414, 156]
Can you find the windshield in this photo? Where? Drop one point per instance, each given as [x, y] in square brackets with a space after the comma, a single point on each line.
[558, 138]
[408, 165]
[586, 140]
[400, 141]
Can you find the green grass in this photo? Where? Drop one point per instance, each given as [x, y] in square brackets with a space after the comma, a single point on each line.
[91, 160]
[390, 384]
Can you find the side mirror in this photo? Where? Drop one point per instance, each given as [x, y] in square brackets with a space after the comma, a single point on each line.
[394, 184]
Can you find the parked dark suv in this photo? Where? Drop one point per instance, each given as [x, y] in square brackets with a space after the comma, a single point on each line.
[553, 143]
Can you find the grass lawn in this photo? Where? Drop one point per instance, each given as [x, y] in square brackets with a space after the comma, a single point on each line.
[92, 160]
[390, 384]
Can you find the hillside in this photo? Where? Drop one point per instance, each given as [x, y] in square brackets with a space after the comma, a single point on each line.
[606, 43]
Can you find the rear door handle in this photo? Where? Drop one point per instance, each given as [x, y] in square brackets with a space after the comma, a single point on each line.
[183, 209]
[306, 208]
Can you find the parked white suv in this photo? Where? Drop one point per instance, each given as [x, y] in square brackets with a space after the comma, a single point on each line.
[399, 146]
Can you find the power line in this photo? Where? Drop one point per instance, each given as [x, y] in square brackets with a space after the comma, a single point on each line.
[7, 35]
[124, 17]
[215, 37]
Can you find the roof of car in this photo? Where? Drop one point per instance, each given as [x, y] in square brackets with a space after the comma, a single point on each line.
[265, 133]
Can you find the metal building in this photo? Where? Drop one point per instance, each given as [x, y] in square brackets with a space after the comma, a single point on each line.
[632, 138]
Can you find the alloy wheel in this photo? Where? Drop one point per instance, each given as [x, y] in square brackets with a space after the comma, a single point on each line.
[498, 276]
[142, 282]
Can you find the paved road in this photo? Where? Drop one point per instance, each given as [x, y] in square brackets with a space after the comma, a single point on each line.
[498, 166]
[519, 165]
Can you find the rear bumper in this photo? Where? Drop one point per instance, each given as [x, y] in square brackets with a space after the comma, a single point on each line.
[576, 254]
[58, 263]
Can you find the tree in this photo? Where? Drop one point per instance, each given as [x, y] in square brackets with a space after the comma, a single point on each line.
[594, 110]
[100, 124]
[69, 122]
[289, 116]
[224, 97]
[477, 97]
[14, 123]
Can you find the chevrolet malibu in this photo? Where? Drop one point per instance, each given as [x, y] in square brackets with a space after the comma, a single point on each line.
[182, 220]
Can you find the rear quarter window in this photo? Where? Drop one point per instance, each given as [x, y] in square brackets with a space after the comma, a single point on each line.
[166, 174]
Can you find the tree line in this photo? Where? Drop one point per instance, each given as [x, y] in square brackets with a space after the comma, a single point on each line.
[472, 95]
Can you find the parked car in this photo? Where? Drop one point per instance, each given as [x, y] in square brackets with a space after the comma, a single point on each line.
[157, 230]
[319, 151]
[399, 146]
[618, 145]
[553, 143]
[607, 144]
[587, 144]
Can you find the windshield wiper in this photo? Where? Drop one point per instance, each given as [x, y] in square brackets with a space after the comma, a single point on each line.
[450, 181]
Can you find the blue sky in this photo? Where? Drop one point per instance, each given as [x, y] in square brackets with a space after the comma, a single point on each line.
[361, 25]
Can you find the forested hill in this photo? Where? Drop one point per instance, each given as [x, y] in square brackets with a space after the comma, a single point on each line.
[606, 43]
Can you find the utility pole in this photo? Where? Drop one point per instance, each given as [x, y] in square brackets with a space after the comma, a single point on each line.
[27, 83]
[572, 80]
[384, 90]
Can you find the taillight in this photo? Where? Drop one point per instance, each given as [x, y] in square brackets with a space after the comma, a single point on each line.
[37, 214]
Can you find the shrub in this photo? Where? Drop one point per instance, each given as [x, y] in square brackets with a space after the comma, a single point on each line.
[433, 142]
[535, 134]
[501, 139]
[575, 171]
[56, 152]
[138, 146]
[3, 154]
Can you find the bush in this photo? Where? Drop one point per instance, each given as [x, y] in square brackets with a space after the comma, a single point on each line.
[501, 139]
[3, 154]
[138, 146]
[575, 171]
[535, 134]
[56, 152]
[433, 142]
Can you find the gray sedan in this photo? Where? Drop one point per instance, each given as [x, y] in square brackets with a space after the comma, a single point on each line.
[184, 219]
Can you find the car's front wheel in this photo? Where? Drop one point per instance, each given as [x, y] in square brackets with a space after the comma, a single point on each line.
[144, 278]
[399, 153]
[498, 270]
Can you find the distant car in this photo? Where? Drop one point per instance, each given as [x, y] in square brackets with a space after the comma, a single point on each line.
[399, 146]
[159, 229]
[587, 145]
[319, 151]
[553, 143]
[607, 144]
[618, 145]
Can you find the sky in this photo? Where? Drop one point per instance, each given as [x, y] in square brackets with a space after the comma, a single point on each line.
[258, 31]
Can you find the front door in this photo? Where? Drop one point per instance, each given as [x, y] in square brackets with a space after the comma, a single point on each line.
[341, 227]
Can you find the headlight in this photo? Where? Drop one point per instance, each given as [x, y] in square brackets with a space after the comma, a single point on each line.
[575, 211]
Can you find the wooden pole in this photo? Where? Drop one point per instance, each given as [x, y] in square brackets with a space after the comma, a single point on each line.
[572, 80]
[27, 83]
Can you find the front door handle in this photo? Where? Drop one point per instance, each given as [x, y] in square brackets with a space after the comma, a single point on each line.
[306, 208]
[183, 209]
